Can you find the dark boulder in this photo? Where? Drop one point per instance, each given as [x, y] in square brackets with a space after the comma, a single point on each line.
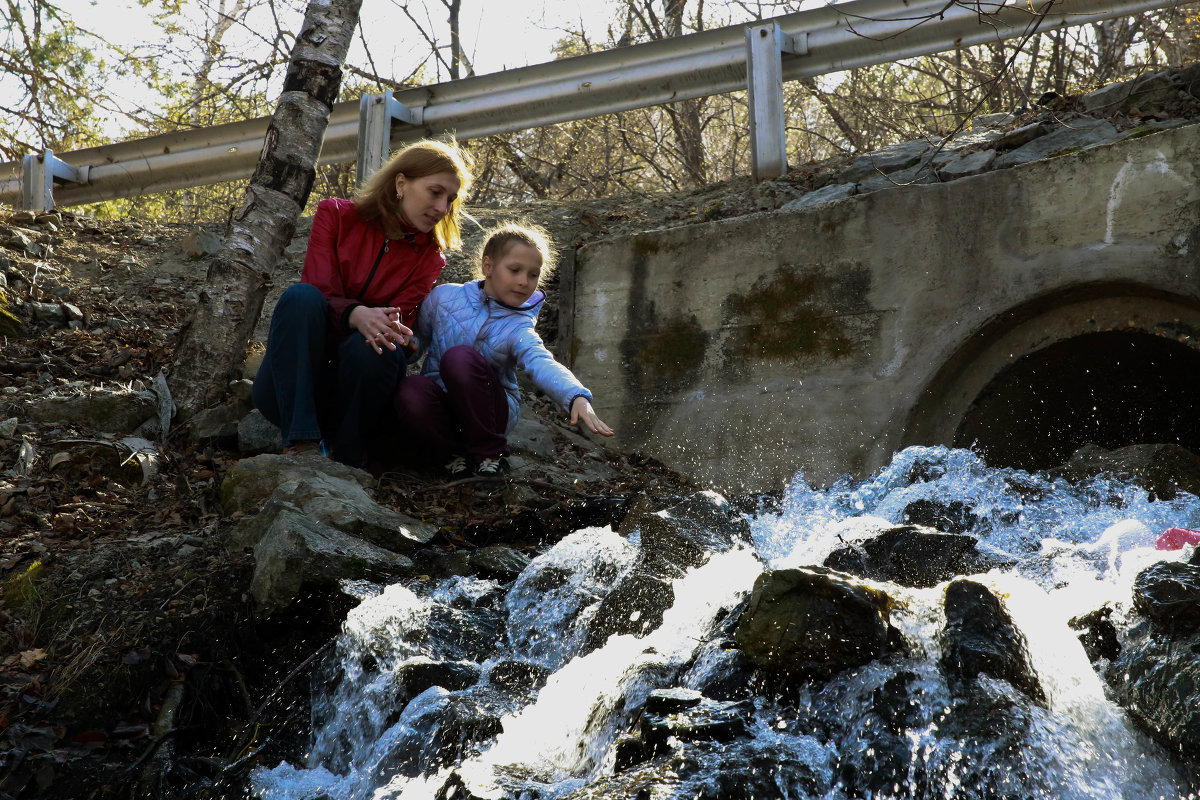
[1161, 469]
[1097, 634]
[635, 606]
[518, 677]
[1168, 594]
[981, 639]
[1156, 678]
[680, 537]
[813, 622]
[953, 517]
[911, 556]
[417, 675]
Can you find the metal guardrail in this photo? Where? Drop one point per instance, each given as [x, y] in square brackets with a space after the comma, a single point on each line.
[804, 44]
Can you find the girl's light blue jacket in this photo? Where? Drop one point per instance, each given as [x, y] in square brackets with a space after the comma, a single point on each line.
[462, 313]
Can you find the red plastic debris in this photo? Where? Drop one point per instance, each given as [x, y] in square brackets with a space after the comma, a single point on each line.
[1176, 538]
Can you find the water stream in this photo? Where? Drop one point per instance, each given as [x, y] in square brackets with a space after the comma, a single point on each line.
[519, 708]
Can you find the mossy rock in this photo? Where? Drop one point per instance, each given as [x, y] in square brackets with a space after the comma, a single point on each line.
[10, 325]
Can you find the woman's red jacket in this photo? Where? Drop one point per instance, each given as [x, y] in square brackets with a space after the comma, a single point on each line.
[347, 261]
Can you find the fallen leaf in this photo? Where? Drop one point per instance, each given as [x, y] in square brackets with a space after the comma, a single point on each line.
[31, 657]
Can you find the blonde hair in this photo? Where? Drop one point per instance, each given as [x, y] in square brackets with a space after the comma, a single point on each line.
[498, 240]
[377, 198]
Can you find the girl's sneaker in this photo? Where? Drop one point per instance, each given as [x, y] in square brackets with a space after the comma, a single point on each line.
[456, 468]
[492, 467]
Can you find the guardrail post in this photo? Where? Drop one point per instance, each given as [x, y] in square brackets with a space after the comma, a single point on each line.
[765, 46]
[375, 115]
[37, 179]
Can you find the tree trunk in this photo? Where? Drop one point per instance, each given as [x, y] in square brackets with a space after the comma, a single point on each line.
[213, 343]
[685, 117]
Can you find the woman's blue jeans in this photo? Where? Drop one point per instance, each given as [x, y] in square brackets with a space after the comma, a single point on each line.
[313, 390]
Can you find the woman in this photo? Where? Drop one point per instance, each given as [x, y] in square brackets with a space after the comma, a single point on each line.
[336, 346]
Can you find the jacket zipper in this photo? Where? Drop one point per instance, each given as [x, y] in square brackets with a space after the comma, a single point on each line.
[363, 291]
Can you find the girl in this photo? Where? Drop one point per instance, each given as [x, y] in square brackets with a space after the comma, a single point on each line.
[465, 401]
[335, 350]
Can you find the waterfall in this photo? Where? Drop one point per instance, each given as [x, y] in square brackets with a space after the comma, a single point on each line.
[467, 688]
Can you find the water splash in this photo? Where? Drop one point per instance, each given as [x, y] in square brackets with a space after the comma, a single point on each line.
[1073, 549]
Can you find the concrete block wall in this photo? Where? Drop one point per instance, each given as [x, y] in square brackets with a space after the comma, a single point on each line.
[822, 340]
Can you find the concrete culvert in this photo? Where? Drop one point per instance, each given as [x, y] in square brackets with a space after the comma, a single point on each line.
[1111, 389]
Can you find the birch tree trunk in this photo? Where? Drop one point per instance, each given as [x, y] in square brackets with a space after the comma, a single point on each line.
[213, 343]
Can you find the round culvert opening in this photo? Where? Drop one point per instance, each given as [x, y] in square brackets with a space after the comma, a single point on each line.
[1111, 389]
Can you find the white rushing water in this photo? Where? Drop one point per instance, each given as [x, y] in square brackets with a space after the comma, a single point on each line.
[1073, 549]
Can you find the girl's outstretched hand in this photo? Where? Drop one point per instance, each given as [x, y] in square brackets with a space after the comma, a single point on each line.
[581, 411]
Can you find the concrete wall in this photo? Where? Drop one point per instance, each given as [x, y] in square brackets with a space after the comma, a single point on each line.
[823, 340]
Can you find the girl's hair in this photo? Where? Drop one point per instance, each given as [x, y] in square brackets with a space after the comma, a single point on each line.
[377, 198]
[498, 240]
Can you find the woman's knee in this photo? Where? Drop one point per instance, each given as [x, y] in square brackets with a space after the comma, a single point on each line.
[301, 298]
[358, 361]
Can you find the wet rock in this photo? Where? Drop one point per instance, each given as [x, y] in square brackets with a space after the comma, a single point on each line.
[471, 718]
[953, 517]
[680, 537]
[457, 634]
[1156, 678]
[103, 410]
[1168, 594]
[813, 622]
[981, 639]
[911, 556]
[1161, 469]
[703, 721]
[518, 677]
[1097, 634]
[629, 750]
[672, 701]
[1002, 760]
[739, 770]
[417, 675]
[498, 562]
[635, 606]
[1076, 134]
[686, 534]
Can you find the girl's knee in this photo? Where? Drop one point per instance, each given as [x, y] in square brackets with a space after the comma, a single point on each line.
[461, 361]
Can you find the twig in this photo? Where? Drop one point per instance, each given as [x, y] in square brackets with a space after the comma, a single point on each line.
[253, 721]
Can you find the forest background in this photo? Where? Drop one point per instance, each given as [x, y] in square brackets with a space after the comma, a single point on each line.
[68, 82]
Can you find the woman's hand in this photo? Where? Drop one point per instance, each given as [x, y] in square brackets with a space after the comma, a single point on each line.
[380, 327]
[581, 411]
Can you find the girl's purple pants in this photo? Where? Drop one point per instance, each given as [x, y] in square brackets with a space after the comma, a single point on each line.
[469, 418]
